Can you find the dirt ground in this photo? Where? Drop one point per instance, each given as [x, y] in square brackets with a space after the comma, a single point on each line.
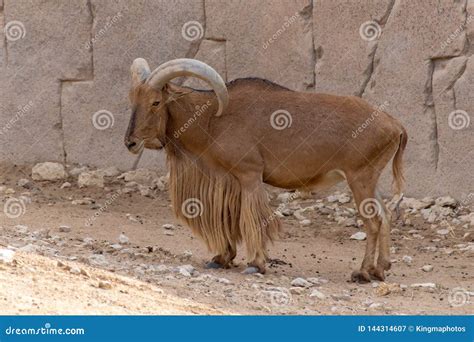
[91, 270]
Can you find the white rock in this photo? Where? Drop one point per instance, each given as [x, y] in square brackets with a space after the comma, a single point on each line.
[413, 203]
[317, 281]
[123, 239]
[91, 178]
[427, 268]
[141, 176]
[159, 184]
[23, 182]
[224, 281]
[300, 282]
[65, 185]
[6, 255]
[49, 171]
[424, 285]
[111, 171]
[407, 259]
[446, 201]
[145, 191]
[64, 229]
[317, 294]
[168, 226]
[305, 222]
[186, 270]
[116, 246]
[359, 236]
[443, 231]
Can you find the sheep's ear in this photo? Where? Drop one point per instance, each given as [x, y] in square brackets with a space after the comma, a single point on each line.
[140, 71]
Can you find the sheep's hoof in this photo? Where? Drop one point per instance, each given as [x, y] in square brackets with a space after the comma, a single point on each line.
[361, 277]
[213, 265]
[377, 274]
[251, 270]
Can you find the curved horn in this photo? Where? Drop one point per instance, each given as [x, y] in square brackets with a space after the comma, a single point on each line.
[140, 70]
[190, 67]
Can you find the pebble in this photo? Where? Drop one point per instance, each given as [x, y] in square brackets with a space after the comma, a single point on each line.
[224, 281]
[123, 239]
[91, 178]
[300, 282]
[66, 185]
[186, 270]
[359, 236]
[82, 201]
[168, 232]
[168, 226]
[23, 182]
[105, 285]
[317, 281]
[446, 201]
[443, 231]
[318, 294]
[116, 246]
[6, 255]
[48, 171]
[64, 229]
[407, 259]
[427, 286]
[427, 268]
[305, 222]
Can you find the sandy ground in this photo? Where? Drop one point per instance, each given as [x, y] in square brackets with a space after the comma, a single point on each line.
[160, 271]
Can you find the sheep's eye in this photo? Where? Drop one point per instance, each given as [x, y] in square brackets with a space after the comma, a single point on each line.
[156, 103]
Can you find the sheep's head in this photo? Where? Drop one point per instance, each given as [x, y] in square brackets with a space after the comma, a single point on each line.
[151, 92]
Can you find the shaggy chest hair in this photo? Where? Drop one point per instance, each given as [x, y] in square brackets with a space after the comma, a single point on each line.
[212, 204]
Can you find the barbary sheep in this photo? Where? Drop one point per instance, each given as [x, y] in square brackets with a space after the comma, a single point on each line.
[222, 145]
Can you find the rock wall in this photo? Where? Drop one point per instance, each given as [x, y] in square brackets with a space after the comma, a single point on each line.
[64, 70]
